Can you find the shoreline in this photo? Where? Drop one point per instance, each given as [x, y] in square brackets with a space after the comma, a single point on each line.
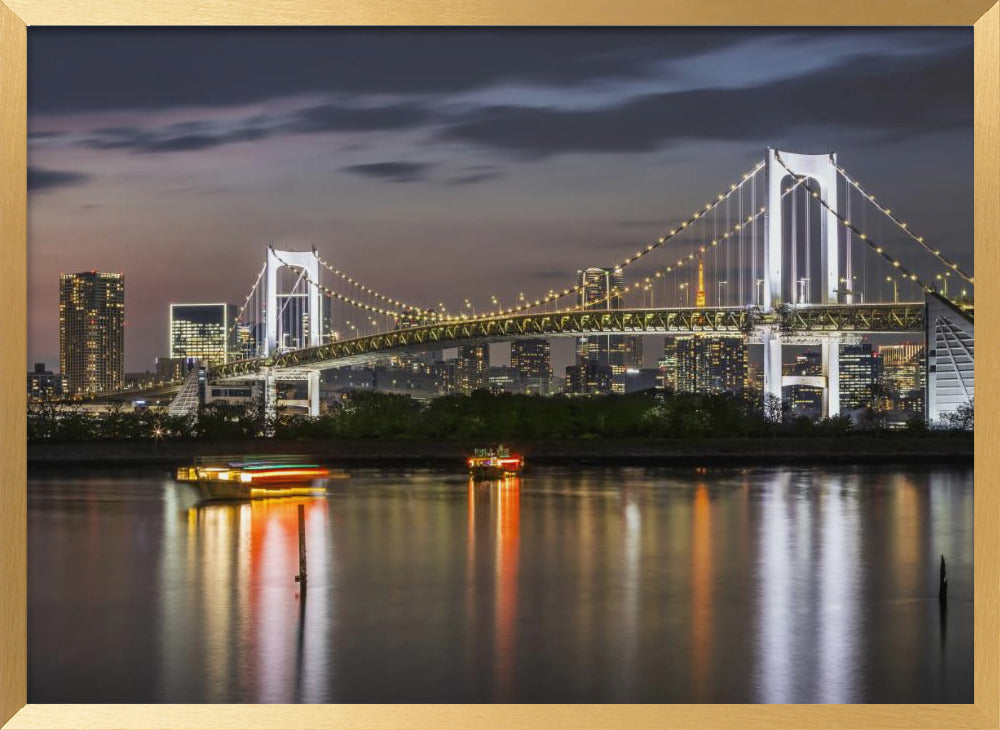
[948, 449]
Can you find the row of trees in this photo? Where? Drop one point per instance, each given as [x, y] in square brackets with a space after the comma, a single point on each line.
[482, 415]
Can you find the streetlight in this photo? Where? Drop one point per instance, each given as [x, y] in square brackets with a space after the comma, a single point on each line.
[895, 290]
[944, 280]
[687, 297]
[759, 284]
[718, 287]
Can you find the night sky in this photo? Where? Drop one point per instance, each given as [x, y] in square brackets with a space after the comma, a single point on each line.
[437, 165]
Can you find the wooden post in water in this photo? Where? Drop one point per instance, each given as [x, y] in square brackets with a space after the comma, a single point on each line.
[301, 577]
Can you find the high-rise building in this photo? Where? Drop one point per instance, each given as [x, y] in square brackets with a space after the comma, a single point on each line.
[860, 377]
[533, 361]
[43, 383]
[704, 364]
[904, 376]
[472, 370]
[505, 380]
[588, 378]
[91, 332]
[603, 289]
[804, 400]
[205, 332]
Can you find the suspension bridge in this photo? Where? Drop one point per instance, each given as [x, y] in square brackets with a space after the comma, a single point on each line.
[796, 252]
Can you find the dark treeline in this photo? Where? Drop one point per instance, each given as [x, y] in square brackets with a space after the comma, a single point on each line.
[482, 415]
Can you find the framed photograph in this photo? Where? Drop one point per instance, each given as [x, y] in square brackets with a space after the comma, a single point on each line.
[498, 366]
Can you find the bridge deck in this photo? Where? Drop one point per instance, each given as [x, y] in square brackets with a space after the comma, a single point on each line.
[860, 318]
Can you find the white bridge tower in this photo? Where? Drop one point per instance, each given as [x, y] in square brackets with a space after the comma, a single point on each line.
[822, 169]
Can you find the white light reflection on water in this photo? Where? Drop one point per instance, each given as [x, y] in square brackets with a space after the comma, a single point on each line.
[770, 585]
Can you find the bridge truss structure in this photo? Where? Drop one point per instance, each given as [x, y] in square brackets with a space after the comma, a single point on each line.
[795, 251]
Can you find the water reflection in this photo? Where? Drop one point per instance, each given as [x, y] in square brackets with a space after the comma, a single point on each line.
[630, 585]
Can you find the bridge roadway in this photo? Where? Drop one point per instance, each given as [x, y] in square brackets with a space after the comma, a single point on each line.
[800, 320]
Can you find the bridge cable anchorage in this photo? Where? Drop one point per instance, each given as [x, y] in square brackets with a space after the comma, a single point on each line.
[659, 242]
[873, 245]
[904, 227]
[371, 292]
[726, 237]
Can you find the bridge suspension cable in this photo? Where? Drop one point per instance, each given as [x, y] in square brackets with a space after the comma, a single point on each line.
[243, 308]
[903, 226]
[727, 236]
[640, 253]
[428, 311]
[873, 245]
[342, 297]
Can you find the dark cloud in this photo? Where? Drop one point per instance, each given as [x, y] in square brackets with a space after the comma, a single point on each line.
[886, 98]
[392, 171]
[40, 180]
[88, 69]
[336, 118]
[474, 174]
[183, 137]
[203, 134]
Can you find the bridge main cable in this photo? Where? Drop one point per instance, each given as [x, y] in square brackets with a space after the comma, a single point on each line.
[878, 249]
[377, 295]
[239, 314]
[629, 260]
[725, 237]
[903, 226]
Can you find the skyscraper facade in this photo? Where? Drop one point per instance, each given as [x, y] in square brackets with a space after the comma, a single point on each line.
[804, 400]
[903, 376]
[472, 370]
[533, 361]
[860, 377]
[704, 364]
[204, 332]
[91, 332]
[603, 289]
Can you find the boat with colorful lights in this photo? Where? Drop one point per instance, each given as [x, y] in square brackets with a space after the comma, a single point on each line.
[255, 477]
[494, 462]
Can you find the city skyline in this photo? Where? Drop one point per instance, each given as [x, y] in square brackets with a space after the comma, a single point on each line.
[442, 156]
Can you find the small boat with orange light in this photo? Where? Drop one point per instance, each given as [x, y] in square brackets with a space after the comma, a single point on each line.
[495, 462]
[252, 477]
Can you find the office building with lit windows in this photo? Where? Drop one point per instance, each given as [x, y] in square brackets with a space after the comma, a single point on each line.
[603, 289]
[588, 378]
[204, 332]
[532, 359]
[904, 377]
[472, 370]
[43, 383]
[91, 332]
[704, 364]
[860, 377]
[801, 399]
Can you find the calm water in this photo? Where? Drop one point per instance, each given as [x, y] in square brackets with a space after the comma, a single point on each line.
[593, 585]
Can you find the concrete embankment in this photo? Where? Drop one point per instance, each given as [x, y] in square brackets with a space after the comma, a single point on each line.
[611, 452]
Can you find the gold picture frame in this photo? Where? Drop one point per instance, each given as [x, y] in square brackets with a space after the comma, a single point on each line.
[17, 15]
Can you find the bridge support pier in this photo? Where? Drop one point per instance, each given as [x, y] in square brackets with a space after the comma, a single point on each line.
[830, 354]
[772, 375]
[313, 393]
[270, 400]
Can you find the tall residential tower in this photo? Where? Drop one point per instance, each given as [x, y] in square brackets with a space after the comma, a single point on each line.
[91, 332]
